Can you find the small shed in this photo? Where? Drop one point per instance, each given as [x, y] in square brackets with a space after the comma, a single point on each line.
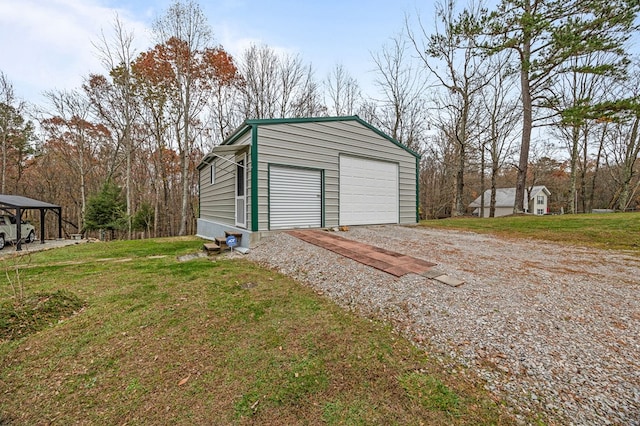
[17, 204]
[274, 174]
[536, 201]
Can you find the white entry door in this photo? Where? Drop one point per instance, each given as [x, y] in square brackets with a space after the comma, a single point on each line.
[241, 188]
[368, 191]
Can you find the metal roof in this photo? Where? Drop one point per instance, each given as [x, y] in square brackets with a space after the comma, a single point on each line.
[14, 201]
[506, 197]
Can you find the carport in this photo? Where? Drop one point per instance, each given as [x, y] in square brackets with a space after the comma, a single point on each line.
[18, 204]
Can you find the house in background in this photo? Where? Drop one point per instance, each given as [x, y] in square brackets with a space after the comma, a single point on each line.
[536, 201]
[274, 174]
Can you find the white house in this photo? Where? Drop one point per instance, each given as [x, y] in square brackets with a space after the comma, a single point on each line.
[273, 174]
[536, 201]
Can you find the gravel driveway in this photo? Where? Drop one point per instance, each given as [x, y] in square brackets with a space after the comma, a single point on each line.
[552, 329]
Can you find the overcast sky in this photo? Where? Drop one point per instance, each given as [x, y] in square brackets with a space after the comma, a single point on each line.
[47, 44]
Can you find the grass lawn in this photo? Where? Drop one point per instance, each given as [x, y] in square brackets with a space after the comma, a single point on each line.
[141, 338]
[619, 231]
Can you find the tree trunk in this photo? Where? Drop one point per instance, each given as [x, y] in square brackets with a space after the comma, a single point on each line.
[628, 171]
[494, 177]
[574, 165]
[527, 123]
[4, 162]
[597, 168]
[185, 161]
[458, 206]
[481, 180]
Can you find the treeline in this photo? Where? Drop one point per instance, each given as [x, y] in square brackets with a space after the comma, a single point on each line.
[527, 93]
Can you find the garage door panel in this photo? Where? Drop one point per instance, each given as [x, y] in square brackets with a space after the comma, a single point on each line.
[295, 198]
[368, 191]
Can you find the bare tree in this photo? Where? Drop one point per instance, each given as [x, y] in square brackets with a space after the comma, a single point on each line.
[343, 92]
[576, 92]
[259, 69]
[622, 148]
[225, 113]
[15, 133]
[74, 140]
[500, 119]
[308, 100]
[277, 86]
[454, 47]
[184, 31]
[400, 111]
[115, 100]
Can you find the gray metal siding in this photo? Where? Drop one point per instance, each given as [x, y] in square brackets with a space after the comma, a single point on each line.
[318, 145]
[217, 201]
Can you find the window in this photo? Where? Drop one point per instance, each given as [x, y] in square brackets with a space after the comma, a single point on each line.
[213, 173]
[540, 211]
[540, 199]
[240, 178]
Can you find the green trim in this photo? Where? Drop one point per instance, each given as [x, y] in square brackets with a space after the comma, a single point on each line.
[199, 193]
[269, 196]
[254, 178]
[389, 138]
[322, 200]
[417, 190]
[237, 134]
[268, 121]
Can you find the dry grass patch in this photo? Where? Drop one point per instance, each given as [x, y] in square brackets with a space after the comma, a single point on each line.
[618, 231]
[215, 342]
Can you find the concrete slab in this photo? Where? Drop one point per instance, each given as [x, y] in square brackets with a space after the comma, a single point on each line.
[450, 281]
[432, 273]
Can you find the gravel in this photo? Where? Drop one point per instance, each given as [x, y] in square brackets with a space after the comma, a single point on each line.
[554, 330]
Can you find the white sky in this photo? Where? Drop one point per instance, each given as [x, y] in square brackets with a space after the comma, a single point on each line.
[47, 44]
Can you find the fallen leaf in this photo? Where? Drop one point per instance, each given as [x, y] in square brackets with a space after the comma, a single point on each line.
[183, 381]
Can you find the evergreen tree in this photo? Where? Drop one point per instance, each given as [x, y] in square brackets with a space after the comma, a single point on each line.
[106, 210]
[545, 36]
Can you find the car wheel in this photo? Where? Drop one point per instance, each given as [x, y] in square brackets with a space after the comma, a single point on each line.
[31, 237]
[2, 242]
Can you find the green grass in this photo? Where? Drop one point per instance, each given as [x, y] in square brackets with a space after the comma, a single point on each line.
[618, 231]
[159, 341]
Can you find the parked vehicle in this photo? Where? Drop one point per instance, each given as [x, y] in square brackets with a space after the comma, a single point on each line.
[9, 231]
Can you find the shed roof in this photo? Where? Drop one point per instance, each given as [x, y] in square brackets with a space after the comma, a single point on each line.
[505, 197]
[14, 201]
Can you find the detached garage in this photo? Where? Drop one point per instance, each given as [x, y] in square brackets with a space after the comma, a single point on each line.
[306, 173]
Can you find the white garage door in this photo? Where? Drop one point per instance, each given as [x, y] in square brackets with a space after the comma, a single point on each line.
[295, 198]
[368, 191]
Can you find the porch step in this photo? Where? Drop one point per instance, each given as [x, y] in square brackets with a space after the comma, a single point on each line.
[209, 247]
[221, 242]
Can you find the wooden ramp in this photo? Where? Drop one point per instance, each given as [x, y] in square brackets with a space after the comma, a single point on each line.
[385, 260]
